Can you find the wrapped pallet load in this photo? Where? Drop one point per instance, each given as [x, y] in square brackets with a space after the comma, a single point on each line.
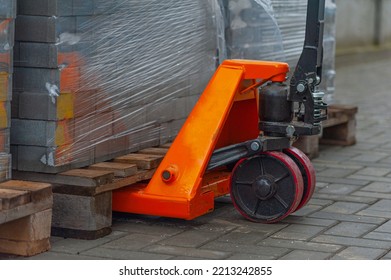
[95, 79]
[7, 27]
[98, 79]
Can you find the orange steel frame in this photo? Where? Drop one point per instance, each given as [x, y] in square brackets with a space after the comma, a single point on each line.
[226, 114]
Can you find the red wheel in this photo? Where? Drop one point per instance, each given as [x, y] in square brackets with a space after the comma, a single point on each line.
[307, 171]
[266, 188]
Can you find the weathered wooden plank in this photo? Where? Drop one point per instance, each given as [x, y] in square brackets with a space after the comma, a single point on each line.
[141, 160]
[141, 175]
[13, 198]
[7, 215]
[52, 178]
[335, 121]
[98, 176]
[37, 190]
[342, 108]
[119, 169]
[75, 177]
[167, 145]
[154, 151]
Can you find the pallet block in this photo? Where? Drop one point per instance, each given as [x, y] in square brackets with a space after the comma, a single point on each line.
[83, 197]
[26, 236]
[25, 217]
[82, 217]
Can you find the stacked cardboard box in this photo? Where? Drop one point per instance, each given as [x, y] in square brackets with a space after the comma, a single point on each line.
[98, 78]
[7, 26]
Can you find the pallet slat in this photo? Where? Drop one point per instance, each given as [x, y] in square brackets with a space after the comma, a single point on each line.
[119, 169]
[154, 151]
[20, 199]
[13, 198]
[142, 161]
[141, 175]
[37, 191]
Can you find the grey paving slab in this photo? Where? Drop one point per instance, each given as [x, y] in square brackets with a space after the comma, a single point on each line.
[191, 238]
[339, 189]
[243, 236]
[306, 255]
[326, 164]
[351, 241]
[62, 256]
[386, 160]
[375, 195]
[372, 171]
[335, 172]
[379, 236]
[298, 232]
[349, 218]
[345, 207]
[250, 257]
[293, 219]
[204, 253]
[361, 181]
[359, 253]
[116, 254]
[378, 187]
[133, 242]
[76, 246]
[345, 198]
[274, 252]
[379, 209]
[335, 156]
[370, 178]
[387, 257]
[378, 164]
[183, 258]
[386, 227]
[321, 202]
[256, 227]
[300, 245]
[350, 229]
[131, 227]
[307, 210]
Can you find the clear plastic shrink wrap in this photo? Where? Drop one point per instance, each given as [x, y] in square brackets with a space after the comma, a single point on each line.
[275, 30]
[7, 27]
[329, 43]
[95, 79]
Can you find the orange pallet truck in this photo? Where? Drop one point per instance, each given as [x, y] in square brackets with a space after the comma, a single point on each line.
[237, 141]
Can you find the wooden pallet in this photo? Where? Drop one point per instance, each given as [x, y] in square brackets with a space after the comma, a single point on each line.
[338, 129]
[83, 197]
[25, 217]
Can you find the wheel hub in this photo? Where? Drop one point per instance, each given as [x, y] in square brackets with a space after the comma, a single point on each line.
[264, 187]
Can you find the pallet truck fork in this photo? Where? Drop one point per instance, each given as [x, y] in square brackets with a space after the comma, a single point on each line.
[237, 141]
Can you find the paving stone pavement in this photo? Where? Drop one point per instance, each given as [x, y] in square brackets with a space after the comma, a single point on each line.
[347, 218]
